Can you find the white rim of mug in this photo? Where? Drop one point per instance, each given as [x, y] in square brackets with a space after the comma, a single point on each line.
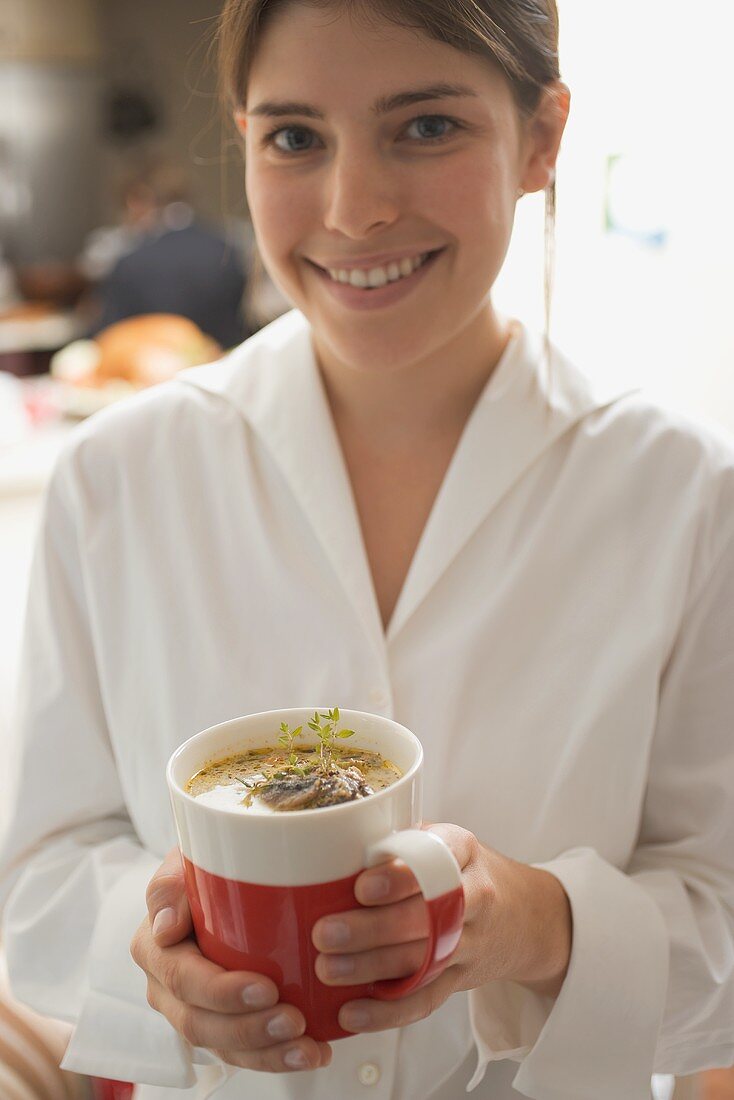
[174, 785]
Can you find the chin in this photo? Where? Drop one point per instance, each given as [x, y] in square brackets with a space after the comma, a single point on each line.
[372, 347]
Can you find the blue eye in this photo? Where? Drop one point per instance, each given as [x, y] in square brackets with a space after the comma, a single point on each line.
[432, 120]
[299, 147]
[303, 134]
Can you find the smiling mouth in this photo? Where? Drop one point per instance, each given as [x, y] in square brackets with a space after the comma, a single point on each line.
[427, 257]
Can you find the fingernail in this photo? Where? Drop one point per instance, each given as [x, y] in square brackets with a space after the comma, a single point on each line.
[164, 920]
[335, 933]
[282, 1027]
[338, 966]
[352, 1019]
[257, 995]
[374, 887]
[296, 1059]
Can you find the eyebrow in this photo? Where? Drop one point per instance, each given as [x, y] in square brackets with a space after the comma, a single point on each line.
[381, 106]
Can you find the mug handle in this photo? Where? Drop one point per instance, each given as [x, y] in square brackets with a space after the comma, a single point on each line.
[439, 877]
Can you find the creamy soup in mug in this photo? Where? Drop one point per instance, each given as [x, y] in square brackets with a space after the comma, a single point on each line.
[268, 780]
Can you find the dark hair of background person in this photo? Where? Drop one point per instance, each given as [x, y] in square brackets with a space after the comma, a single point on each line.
[519, 35]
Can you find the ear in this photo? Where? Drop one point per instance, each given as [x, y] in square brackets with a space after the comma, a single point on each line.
[240, 120]
[543, 137]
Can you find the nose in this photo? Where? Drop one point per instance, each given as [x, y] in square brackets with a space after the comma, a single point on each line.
[360, 194]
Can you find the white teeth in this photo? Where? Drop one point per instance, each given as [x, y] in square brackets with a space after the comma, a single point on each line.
[378, 276]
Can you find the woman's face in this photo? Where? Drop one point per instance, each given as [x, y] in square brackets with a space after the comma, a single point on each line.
[350, 180]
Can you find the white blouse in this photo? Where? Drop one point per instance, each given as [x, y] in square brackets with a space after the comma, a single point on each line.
[563, 646]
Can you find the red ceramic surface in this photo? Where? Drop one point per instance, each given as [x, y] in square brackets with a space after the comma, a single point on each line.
[267, 929]
[111, 1090]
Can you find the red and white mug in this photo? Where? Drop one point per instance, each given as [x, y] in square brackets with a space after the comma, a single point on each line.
[257, 883]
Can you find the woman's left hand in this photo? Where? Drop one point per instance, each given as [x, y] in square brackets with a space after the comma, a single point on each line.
[517, 926]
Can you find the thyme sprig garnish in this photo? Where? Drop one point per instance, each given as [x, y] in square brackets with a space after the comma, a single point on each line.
[327, 733]
[325, 725]
[286, 739]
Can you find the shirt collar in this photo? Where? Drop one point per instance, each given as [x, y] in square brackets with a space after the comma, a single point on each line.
[274, 380]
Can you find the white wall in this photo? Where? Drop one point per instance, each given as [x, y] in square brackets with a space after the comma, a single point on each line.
[650, 78]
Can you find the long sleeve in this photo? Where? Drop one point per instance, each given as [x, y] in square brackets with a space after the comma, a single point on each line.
[73, 873]
[650, 986]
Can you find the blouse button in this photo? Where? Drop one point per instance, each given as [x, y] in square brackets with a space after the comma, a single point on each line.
[368, 1073]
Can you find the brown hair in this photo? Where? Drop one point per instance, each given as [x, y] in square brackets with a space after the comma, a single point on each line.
[519, 35]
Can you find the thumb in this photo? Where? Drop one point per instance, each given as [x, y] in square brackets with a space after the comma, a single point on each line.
[168, 907]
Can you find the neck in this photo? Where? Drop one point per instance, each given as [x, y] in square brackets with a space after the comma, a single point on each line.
[422, 401]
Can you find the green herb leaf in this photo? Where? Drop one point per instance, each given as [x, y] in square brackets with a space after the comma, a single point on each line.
[324, 724]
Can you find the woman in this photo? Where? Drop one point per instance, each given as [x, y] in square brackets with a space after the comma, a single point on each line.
[391, 499]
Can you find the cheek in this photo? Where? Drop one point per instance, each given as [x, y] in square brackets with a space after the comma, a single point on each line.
[471, 203]
[281, 213]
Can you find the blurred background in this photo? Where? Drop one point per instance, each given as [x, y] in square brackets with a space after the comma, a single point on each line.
[122, 193]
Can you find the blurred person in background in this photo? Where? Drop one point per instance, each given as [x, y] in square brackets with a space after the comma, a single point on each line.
[107, 244]
[161, 259]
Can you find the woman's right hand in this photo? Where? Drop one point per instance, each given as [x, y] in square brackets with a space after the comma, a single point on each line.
[233, 1013]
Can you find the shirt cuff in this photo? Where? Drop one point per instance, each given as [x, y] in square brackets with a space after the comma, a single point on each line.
[598, 1036]
[215, 1075]
[118, 1035]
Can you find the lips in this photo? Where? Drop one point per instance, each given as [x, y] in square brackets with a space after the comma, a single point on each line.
[366, 265]
[376, 298]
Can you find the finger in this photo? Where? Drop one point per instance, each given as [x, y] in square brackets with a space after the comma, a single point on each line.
[191, 978]
[371, 966]
[461, 842]
[477, 877]
[363, 929]
[386, 883]
[285, 1058]
[168, 907]
[373, 1015]
[394, 881]
[244, 1031]
[279, 1056]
